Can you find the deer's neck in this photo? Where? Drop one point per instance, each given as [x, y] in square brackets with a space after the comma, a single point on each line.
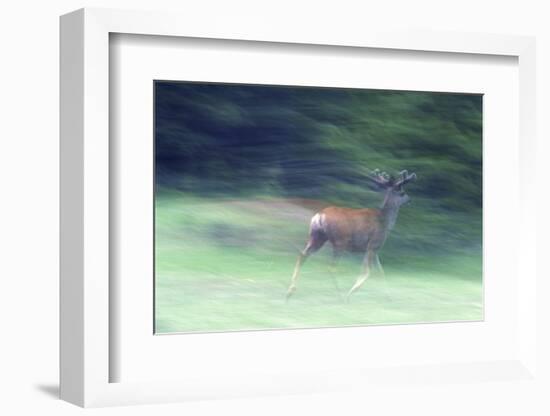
[389, 214]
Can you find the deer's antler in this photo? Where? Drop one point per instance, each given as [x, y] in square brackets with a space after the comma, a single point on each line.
[405, 177]
[381, 179]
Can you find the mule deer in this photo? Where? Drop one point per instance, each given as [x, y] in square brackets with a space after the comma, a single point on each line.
[357, 230]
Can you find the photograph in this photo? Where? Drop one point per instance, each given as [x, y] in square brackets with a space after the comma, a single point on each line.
[294, 207]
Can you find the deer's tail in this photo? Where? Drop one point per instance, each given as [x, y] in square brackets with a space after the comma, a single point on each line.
[318, 227]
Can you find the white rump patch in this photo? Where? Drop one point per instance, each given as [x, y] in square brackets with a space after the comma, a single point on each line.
[318, 222]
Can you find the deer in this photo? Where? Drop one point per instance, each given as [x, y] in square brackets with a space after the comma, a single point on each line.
[363, 230]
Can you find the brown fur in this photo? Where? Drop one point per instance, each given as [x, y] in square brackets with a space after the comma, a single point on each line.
[357, 230]
[354, 229]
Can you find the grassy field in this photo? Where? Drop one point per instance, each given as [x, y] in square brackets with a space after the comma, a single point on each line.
[225, 264]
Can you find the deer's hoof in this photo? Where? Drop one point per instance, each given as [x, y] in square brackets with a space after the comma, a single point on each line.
[291, 290]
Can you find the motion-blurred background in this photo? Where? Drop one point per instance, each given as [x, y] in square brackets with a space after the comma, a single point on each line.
[240, 170]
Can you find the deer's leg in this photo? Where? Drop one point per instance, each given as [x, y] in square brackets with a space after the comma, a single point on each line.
[379, 266]
[314, 244]
[383, 276]
[337, 252]
[336, 255]
[368, 261]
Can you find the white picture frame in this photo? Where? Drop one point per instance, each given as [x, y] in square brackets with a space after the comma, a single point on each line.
[86, 356]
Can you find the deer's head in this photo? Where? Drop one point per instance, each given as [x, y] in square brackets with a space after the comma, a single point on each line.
[393, 188]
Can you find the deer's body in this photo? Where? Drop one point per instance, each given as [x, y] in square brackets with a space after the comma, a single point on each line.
[356, 230]
[349, 229]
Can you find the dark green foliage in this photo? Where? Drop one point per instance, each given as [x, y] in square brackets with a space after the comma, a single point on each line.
[239, 141]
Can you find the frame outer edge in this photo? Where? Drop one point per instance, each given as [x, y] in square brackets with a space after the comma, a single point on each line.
[71, 221]
[379, 35]
[527, 266]
[96, 207]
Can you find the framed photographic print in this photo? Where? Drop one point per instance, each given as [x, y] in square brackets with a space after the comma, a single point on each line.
[254, 214]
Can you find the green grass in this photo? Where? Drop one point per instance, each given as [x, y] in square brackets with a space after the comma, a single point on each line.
[226, 265]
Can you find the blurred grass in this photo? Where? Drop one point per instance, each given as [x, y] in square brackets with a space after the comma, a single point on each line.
[225, 264]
